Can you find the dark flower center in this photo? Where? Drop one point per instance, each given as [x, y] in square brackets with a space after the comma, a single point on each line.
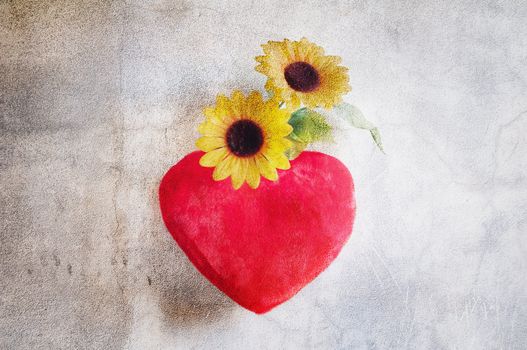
[302, 76]
[244, 138]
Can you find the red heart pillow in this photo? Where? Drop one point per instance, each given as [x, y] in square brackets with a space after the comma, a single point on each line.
[260, 247]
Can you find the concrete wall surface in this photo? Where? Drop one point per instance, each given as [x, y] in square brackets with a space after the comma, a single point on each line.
[99, 98]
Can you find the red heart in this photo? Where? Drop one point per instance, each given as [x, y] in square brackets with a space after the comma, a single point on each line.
[260, 247]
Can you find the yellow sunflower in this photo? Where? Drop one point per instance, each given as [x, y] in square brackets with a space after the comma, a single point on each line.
[299, 72]
[244, 137]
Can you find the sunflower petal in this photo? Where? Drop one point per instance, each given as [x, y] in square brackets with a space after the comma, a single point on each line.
[223, 101]
[206, 143]
[223, 169]
[278, 160]
[238, 103]
[254, 103]
[265, 168]
[212, 158]
[253, 174]
[209, 112]
[239, 169]
[278, 129]
[209, 129]
[278, 145]
[217, 116]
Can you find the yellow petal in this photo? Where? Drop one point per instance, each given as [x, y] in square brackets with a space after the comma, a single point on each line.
[295, 101]
[223, 169]
[209, 112]
[223, 102]
[276, 129]
[239, 168]
[209, 129]
[207, 143]
[278, 145]
[287, 49]
[254, 103]
[253, 174]
[217, 116]
[212, 158]
[330, 61]
[238, 103]
[265, 168]
[279, 161]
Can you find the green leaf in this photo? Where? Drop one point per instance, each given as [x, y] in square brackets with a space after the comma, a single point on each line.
[308, 127]
[295, 150]
[354, 116]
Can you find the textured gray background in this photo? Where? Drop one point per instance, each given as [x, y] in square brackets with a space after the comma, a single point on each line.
[98, 99]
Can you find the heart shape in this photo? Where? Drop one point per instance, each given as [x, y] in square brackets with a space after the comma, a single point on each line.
[260, 247]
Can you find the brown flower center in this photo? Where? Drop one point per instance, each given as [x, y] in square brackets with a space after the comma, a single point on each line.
[244, 138]
[302, 76]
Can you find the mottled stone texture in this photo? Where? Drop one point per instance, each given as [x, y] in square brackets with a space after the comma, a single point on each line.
[98, 99]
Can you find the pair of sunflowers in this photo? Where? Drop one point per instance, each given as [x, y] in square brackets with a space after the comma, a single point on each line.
[246, 137]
